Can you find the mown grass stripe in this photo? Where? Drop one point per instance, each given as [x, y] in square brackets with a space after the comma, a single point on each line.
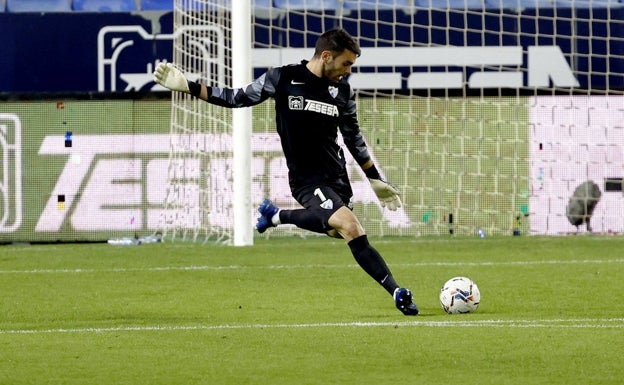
[313, 266]
[582, 323]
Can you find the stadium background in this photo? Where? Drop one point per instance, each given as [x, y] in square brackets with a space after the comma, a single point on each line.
[85, 142]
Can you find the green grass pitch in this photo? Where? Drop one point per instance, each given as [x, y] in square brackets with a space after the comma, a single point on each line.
[299, 311]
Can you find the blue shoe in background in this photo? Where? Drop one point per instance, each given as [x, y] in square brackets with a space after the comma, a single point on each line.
[267, 210]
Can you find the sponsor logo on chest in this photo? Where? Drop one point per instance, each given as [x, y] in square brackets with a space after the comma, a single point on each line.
[301, 104]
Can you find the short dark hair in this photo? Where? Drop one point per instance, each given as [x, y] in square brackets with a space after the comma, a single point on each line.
[336, 41]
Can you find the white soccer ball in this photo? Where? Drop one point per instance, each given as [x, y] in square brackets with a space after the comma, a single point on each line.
[459, 295]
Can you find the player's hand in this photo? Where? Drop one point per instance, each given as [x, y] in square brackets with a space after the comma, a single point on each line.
[168, 76]
[388, 194]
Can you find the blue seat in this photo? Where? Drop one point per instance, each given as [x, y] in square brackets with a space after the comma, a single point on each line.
[262, 3]
[589, 3]
[202, 5]
[167, 5]
[450, 4]
[519, 4]
[104, 5]
[38, 6]
[307, 4]
[376, 4]
[524, 4]
[157, 5]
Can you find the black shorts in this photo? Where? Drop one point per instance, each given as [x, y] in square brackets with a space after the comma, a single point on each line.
[324, 199]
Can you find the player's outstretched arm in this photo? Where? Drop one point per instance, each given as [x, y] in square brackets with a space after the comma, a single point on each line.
[168, 76]
[387, 194]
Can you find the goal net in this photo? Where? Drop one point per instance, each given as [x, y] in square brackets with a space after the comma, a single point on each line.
[495, 115]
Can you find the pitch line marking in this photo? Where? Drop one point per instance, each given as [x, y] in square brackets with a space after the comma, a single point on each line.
[583, 323]
[293, 267]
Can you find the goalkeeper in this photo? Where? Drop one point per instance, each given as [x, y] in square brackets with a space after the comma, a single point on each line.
[313, 100]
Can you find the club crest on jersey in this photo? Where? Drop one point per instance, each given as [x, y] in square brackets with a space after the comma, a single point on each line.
[295, 102]
[333, 91]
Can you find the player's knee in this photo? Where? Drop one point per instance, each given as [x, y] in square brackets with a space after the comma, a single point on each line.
[346, 223]
[351, 229]
[334, 234]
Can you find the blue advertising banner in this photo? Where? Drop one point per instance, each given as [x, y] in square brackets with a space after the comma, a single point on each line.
[116, 52]
[80, 52]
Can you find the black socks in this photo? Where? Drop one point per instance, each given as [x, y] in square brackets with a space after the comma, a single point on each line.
[365, 255]
[371, 261]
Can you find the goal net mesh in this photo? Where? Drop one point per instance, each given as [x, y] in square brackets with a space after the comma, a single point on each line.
[497, 115]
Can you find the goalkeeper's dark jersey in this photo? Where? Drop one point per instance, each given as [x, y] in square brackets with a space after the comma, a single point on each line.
[309, 111]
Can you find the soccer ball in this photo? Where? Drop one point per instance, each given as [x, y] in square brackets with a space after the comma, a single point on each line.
[459, 295]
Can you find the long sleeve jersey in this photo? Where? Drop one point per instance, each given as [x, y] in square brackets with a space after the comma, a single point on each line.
[309, 112]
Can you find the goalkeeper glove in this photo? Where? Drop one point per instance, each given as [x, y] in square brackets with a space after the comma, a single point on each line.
[388, 194]
[168, 76]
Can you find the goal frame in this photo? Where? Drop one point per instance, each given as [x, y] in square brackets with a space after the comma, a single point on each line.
[456, 103]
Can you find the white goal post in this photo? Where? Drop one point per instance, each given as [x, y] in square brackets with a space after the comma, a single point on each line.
[242, 128]
[487, 114]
